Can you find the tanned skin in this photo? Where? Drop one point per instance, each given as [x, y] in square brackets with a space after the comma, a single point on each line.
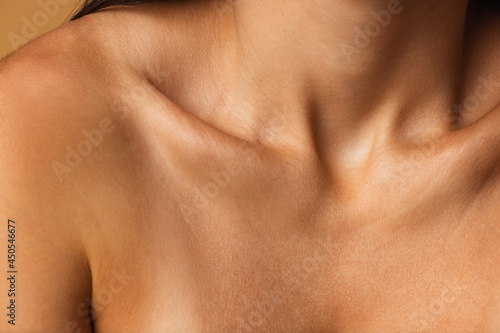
[256, 167]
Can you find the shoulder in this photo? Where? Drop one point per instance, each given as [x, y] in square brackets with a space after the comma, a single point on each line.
[58, 126]
[63, 151]
[48, 89]
[64, 102]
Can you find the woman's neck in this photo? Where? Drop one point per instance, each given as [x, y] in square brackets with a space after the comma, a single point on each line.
[351, 65]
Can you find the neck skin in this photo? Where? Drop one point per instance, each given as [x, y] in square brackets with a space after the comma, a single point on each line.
[344, 91]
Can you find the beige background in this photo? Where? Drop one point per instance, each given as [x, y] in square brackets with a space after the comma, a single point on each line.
[23, 20]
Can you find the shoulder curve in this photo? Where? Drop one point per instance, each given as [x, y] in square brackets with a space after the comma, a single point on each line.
[62, 86]
[78, 47]
[50, 90]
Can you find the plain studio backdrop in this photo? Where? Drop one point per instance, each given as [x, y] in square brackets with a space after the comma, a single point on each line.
[24, 20]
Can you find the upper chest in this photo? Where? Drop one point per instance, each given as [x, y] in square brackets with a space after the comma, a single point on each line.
[238, 250]
[225, 277]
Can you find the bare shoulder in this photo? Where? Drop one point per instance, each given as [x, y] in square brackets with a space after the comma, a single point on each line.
[55, 97]
[69, 103]
[65, 98]
[50, 88]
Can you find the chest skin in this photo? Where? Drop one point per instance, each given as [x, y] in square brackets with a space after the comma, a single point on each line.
[241, 240]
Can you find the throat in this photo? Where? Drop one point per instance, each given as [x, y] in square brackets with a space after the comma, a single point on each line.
[350, 63]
